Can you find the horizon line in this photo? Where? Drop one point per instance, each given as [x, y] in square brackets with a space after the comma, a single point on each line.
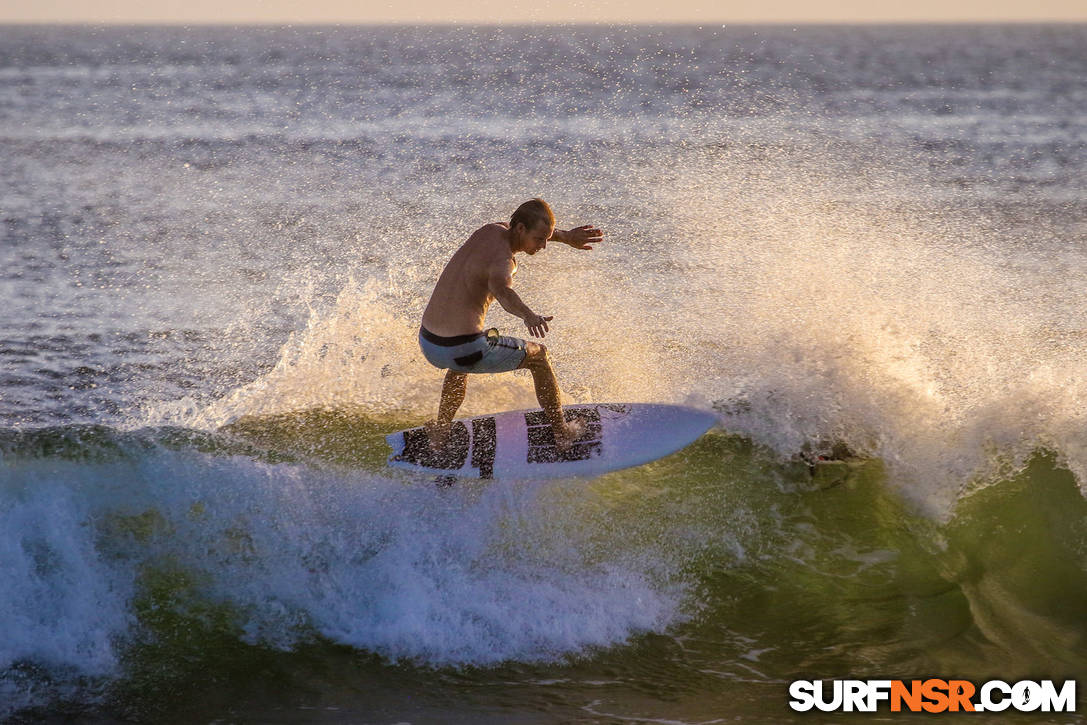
[532, 23]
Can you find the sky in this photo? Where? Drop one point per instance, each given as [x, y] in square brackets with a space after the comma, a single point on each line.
[544, 11]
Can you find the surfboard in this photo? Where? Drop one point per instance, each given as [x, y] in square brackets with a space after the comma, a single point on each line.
[519, 444]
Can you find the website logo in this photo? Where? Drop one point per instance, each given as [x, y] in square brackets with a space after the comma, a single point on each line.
[932, 695]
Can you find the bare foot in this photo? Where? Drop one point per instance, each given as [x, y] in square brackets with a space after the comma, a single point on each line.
[572, 431]
[438, 434]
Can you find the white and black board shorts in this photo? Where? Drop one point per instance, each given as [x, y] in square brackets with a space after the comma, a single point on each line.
[480, 352]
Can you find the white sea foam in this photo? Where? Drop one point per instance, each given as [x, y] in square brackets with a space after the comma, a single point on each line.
[920, 339]
[63, 604]
[473, 575]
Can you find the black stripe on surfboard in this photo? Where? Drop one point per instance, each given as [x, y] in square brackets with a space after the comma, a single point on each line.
[417, 448]
[541, 439]
[483, 446]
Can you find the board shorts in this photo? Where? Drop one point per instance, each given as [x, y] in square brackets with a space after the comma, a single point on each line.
[481, 352]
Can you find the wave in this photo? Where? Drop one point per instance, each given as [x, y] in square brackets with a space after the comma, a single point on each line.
[106, 533]
[136, 553]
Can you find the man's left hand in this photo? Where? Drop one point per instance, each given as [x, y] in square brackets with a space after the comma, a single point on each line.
[581, 237]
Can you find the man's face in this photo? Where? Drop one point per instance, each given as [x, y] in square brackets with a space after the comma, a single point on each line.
[536, 238]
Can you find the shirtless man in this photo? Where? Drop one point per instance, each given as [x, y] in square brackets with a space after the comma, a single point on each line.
[452, 335]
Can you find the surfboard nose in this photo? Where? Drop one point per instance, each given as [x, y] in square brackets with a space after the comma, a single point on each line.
[693, 421]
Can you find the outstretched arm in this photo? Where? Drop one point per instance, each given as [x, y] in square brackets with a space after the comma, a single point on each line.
[500, 285]
[579, 237]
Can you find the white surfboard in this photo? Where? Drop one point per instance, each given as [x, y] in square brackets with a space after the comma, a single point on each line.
[519, 444]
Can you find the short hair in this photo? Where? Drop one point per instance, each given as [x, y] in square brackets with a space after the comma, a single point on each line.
[531, 213]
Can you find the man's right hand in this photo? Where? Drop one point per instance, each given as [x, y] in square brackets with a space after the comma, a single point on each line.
[537, 324]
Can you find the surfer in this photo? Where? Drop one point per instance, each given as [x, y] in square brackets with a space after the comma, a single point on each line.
[452, 335]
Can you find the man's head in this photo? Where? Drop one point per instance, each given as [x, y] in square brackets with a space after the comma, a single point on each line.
[531, 225]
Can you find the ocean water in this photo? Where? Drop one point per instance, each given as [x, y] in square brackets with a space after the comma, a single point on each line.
[215, 247]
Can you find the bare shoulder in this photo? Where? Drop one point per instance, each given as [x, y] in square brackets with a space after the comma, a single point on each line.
[490, 240]
[494, 230]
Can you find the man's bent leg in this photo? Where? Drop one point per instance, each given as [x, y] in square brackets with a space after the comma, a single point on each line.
[453, 391]
[547, 393]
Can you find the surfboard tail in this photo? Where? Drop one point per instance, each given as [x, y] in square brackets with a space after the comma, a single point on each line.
[395, 441]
